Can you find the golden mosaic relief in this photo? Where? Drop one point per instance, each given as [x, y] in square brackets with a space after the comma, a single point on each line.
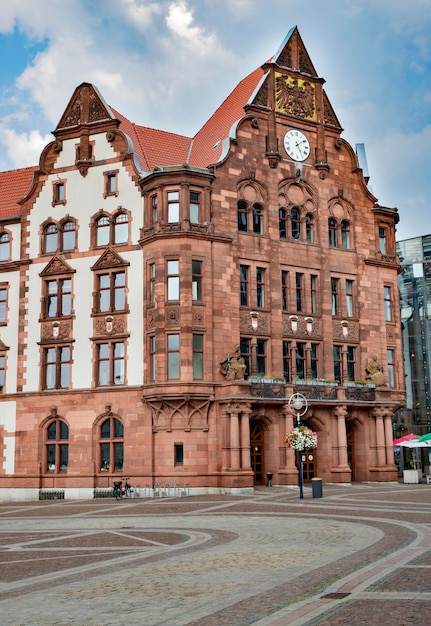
[295, 96]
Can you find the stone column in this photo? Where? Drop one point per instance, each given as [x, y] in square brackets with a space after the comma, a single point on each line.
[340, 413]
[245, 439]
[380, 438]
[225, 439]
[389, 437]
[234, 439]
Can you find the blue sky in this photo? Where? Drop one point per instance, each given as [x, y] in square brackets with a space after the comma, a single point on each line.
[168, 64]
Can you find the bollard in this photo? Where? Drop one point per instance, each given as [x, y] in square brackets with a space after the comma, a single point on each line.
[316, 487]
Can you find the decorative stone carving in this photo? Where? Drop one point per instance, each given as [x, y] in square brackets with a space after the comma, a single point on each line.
[233, 365]
[186, 413]
[172, 316]
[116, 326]
[375, 373]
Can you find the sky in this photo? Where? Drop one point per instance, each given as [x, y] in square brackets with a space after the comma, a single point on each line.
[168, 64]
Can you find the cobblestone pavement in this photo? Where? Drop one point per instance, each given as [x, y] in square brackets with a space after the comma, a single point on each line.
[359, 555]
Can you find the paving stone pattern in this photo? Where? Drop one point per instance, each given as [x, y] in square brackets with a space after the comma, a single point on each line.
[359, 555]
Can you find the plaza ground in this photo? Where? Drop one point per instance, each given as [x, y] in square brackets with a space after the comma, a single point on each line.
[359, 555]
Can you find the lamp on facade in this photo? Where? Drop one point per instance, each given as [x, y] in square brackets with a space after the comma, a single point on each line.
[298, 405]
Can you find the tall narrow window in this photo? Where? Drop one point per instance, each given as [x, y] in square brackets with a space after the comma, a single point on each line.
[243, 271]
[3, 305]
[121, 228]
[282, 223]
[198, 354]
[391, 368]
[245, 350]
[345, 234]
[111, 363]
[261, 356]
[57, 446]
[4, 247]
[152, 282]
[58, 300]
[295, 223]
[350, 363]
[284, 289]
[155, 208]
[309, 228]
[57, 364]
[103, 230]
[382, 240]
[173, 277]
[286, 360]
[111, 184]
[242, 215]
[173, 347]
[387, 302]
[314, 360]
[178, 453]
[300, 359]
[332, 232]
[196, 280]
[257, 219]
[337, 357]
[112, 292]
[50, 238]
[194, 207]
[334, 295]
[173, 206]
[111, 445]
[58, 193]
[68, 236]
[299, 280]
[260, 287]
[313, 293]
[349, 297]
[2, 371]
[152, 351]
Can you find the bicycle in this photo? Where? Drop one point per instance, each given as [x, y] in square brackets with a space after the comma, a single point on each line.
[119, 491]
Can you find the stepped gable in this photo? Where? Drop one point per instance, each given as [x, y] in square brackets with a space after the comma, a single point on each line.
[14, 184]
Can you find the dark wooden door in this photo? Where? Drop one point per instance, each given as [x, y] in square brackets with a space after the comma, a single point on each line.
[257, 452]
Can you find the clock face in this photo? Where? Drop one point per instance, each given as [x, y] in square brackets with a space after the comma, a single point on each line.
[296, 145]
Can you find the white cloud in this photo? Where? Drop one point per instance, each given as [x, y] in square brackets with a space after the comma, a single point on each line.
[180, 23]
[140, 12]
[24, 149]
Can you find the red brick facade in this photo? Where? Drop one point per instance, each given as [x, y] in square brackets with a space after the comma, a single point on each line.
[172, 294]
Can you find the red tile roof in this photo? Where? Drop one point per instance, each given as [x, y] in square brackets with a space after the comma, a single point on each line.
[14, 184]
[154, 147]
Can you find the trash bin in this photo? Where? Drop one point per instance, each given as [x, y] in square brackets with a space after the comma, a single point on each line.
[268, 479]
[316, 487]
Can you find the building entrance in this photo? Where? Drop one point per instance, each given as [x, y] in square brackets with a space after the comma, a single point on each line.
[350, 449]
[257, 441]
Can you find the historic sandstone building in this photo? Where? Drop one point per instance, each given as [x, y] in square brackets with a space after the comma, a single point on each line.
[162, 297]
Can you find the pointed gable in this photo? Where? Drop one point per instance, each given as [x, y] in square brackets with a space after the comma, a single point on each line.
[57, 265]
[109, 258]
[293, 55]
[86, 106]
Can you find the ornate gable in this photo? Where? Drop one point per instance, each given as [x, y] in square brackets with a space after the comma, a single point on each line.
[57, 265]
[293, 55]
[85, 107]
[109, 258]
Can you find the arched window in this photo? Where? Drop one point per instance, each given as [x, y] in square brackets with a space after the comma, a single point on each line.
[4, 247]
[282, 223]
[121, 228]
[332, 231]
[257, 219]
[309, 228]
[68, 235]
[50, 238]
[345, 234]
[103, 228]
[57, 446]
[295, 218]
[111, 445]
[242, 215]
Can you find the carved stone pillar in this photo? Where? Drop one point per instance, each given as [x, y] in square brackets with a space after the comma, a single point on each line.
[389, 437]
[234, 440]
[225, 440]
[245, 439]
[380, 438]
[340, 413]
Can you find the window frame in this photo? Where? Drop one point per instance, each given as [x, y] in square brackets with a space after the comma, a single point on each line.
[244, 271]
[387, 302]
[173, 280]
[110, 445]
[198, 356]
[260, 287]
[63, 297]
[4, 289]
[58, 444]
[113, 361]
[197, 280]
[59, 366]
[173, 357]
[112, 290]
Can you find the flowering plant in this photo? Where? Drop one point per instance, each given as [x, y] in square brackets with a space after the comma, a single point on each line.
[301, 438]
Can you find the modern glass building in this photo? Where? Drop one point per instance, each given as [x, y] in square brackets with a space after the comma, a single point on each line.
[415, 301]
